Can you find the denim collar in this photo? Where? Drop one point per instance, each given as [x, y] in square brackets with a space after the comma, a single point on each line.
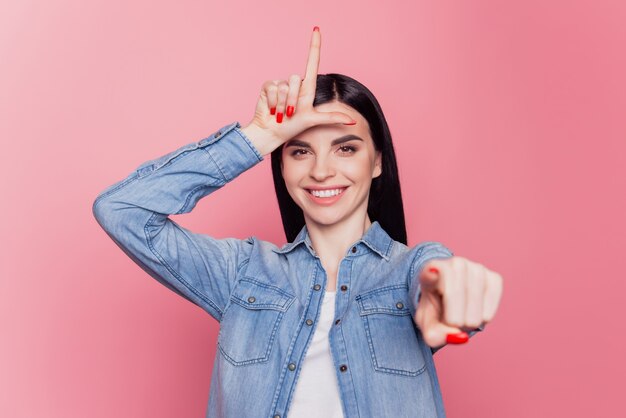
[375, 238]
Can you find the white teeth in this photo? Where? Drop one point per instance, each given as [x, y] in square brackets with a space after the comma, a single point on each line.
[326, 193]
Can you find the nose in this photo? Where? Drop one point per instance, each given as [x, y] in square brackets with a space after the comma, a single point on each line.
[322, 169]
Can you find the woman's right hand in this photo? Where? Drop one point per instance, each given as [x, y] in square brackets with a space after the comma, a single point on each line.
[268, 130]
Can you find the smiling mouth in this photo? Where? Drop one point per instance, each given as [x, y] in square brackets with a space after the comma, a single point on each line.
[326, 193]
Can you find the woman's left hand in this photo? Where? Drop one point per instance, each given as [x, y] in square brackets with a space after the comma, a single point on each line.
[457, 295]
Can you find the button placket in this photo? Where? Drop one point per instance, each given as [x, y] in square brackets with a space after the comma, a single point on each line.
[301, 339]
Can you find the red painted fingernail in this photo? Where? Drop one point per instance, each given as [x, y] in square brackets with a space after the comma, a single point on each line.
[433, 270]
[279, 117]
[273, 111]
[316, 28]
[289, 111]
[350, 123]
[459, 338]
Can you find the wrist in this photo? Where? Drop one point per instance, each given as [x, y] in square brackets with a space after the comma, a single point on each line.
[260, 138]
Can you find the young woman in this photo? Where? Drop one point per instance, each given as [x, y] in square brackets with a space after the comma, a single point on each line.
[344, 319]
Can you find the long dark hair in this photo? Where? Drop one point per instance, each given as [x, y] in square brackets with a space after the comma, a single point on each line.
[385, 198]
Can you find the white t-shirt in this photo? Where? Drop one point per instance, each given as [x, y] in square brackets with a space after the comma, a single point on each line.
[317, 391]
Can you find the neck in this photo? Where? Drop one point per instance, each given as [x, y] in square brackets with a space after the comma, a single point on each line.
[332, 241]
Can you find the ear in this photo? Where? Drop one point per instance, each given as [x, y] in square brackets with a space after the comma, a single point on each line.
[378, 168]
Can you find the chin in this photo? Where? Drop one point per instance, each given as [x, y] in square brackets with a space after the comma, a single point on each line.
[323, 220]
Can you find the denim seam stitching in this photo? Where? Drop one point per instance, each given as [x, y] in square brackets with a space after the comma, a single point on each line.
[174, 272]
[351, 378]
[188, 198]
[268, 350]
[309, 340]
[115, 189]
[247, 141]
[275, 307]
[375, 249]
[283, 374]
[380, 290]
[224, 178]
[267, 286]
[379, 368]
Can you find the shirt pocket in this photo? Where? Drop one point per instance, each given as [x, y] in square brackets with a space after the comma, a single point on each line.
[390, 331]
[250, 321]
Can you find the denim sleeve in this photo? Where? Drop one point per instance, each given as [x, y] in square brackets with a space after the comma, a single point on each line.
[427, 251]
[134, 213]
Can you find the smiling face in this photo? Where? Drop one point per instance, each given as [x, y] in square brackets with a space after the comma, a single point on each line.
[328, 169]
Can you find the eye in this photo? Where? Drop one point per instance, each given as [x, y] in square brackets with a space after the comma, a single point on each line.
[297, 152]
[347, 149]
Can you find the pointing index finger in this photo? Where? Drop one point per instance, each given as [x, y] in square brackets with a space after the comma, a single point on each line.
[312, 65]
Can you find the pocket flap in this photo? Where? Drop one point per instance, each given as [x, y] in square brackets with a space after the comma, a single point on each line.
[392, 300]
[252, 294]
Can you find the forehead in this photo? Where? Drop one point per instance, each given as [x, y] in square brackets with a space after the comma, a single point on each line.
[329, 132]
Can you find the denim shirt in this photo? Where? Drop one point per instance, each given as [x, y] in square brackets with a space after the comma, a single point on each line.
[267, 298]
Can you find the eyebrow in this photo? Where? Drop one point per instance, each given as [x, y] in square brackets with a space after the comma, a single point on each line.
[340, 140]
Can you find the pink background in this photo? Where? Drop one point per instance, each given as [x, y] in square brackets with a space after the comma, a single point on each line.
[509, 124]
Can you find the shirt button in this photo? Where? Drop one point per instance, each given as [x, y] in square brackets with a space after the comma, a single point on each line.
[251, 299]
[317, 287]
[309, 322]
[292, 366]
[343, 287]
[276, 416]
[218, 133]
[337, 322]
[399, 305]
[354, 249]
[343, 367]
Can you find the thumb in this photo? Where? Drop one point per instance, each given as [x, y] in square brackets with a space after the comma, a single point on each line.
[430, 275]
[429, 316]
[437, 334]
[327, 118]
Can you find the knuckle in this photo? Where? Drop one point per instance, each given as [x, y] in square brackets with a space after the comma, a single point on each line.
[457, 262]
[472, 324]
[455, 324]
[453, 320]
[495, 279]
[474, 321]
[479, 278]
[484, 271]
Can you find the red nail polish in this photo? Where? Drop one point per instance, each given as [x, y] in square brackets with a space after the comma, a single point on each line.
[350, 123]
[316, 28]
[279, 117]
[273, 111]
[433, 270]
[289, 111]
[459, 338]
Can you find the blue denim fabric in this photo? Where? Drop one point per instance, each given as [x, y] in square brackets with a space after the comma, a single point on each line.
[262, 295]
